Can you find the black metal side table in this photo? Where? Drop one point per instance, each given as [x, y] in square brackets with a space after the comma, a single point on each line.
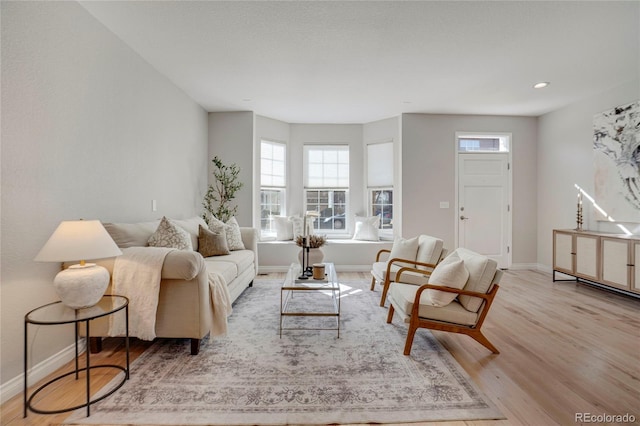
[56, 314]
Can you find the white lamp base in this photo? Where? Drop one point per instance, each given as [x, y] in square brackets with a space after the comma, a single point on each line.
[81, 286]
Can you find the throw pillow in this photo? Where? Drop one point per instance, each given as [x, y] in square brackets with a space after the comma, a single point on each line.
[284, 228]
[451, 272]
[211, 243]
[232, 231]
[298, 226]
[169, 235]
[404, 249]
[367, 228]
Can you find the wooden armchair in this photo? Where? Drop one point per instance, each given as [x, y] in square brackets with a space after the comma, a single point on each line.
[422, 253]
[465, 314]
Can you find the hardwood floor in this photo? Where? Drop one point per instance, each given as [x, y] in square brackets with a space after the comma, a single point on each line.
[566, 348]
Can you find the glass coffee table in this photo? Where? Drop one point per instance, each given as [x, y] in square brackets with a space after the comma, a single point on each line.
[310, 298]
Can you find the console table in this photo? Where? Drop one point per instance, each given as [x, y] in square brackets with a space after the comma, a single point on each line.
[607, 259]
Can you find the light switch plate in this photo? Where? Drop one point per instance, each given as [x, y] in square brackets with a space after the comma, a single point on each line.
[444, 204]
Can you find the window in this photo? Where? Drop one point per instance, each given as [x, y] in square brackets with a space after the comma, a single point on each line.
[483, 144]
[382, 205]
[272, 183]
[326, 183]
[380, 183]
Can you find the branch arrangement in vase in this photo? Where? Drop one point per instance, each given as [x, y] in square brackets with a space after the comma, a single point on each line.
[313, 241]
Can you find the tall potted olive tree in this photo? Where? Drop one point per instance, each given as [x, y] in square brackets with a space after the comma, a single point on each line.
[218, 199]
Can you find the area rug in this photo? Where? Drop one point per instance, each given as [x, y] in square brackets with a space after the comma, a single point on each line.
[305, 377]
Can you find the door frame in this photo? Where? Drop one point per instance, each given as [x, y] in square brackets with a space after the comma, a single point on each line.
[509, 224]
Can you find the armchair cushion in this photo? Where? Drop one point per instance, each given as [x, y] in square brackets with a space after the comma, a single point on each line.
[481, 275]
[451, 272]
[402, 297]
[429, 250]
[404, 249]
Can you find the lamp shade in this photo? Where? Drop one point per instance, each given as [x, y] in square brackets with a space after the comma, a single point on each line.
[83, 285]
[78, 240]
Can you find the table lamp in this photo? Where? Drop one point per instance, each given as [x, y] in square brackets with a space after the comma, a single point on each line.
[81, 285]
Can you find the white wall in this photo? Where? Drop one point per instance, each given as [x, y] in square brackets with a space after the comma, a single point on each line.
[89, 130]
[428, 176]
[231, 136]
[565, 158]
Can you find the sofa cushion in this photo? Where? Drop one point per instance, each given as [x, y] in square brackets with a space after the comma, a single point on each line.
[170, 235]
[402, 297]
[228, 270]
[232, 230]
[451, 272]
[212, 243]
[367, 228]
[481, 272]
[131, 234]
[191, 226]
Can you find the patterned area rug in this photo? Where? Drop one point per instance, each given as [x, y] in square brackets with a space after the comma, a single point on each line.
[252, 376]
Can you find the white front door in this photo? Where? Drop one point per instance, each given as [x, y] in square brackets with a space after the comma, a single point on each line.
[484, 213]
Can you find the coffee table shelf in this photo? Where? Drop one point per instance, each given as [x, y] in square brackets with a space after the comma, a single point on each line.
[330, 287]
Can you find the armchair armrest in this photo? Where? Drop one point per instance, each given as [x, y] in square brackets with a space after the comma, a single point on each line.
[380, 254]
[425, 272]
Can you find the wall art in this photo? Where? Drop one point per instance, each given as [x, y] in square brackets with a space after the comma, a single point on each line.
[616, 146]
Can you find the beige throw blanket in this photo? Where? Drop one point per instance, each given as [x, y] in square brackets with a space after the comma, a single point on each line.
[136, 275]
[220, 303]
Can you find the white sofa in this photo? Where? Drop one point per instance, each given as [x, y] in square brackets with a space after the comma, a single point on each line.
[184, 308]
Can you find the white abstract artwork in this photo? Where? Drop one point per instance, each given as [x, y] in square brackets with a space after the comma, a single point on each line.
[616, 145]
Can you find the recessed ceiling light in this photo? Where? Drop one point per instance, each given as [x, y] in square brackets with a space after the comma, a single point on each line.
[246, 100]
[541, 85]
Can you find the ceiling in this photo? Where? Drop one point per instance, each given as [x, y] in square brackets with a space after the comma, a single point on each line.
[361, 61]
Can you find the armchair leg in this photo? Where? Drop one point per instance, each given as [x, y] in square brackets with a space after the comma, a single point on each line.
[409, 342]
[373, 283]
[480, 338]
[385, 290]
[390, 314]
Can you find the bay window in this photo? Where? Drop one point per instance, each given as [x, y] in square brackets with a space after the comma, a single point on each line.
[273, 181]
[326, 185]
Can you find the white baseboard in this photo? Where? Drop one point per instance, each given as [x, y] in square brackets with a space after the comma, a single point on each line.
[526, 266]
[38, 372]
[339, 268]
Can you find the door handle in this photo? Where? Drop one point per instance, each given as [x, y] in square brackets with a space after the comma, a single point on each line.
[463, 218]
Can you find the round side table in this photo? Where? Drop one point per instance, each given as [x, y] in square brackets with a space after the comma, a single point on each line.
[56, 314]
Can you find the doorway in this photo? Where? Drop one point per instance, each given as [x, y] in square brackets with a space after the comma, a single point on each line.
[483, 201]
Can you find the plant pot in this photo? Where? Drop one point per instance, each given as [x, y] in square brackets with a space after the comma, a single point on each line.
[316, 255]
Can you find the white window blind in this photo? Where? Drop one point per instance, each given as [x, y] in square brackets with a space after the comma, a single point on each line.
[380, 164]
[272, 164]
[327, 166]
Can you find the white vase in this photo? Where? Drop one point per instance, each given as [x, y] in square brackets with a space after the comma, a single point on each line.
[316, 255]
